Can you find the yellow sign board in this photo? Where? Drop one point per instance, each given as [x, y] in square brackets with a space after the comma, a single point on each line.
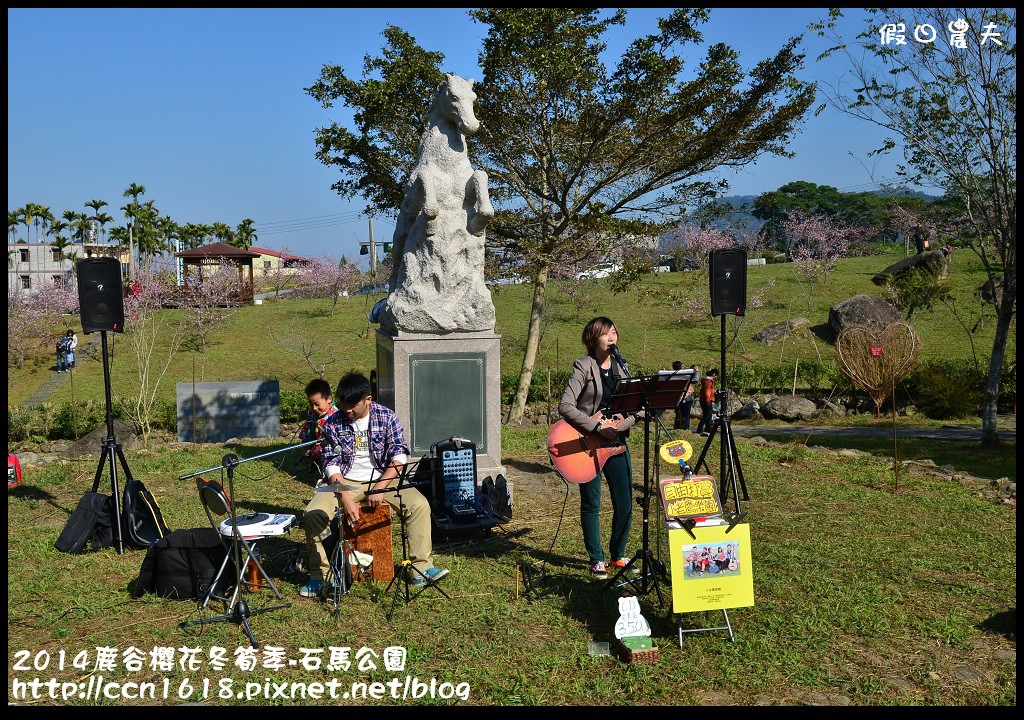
[713, 572]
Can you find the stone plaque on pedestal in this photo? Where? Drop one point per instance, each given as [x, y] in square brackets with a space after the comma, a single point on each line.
[444, 386]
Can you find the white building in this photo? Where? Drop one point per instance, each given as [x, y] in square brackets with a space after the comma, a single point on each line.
[30, 266]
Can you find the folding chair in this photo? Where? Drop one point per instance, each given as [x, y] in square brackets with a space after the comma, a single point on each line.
[243, 531]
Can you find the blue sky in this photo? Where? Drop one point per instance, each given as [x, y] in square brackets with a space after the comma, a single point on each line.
[206, 109]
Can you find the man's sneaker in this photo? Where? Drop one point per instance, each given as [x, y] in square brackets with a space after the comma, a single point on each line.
[599, 571]
[430, 574]
[634, 569]
[311, 588]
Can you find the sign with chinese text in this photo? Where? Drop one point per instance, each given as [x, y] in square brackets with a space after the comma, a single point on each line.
[691, 496]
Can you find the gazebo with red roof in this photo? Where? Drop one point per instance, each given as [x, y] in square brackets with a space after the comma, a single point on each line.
[215, 254]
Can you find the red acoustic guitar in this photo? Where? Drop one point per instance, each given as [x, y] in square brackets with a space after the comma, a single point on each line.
[577, 456]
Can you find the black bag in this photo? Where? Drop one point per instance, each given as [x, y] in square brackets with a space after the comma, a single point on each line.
[497, 493]
[182, 565]
[92, 522]
[143, 522]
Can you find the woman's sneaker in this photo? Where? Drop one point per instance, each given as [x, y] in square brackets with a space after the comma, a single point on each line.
[634, 569]
[599, 571]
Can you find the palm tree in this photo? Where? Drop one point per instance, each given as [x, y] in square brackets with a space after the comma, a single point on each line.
[28, 214]
[245, 233]
[71, 217]
[61, 243]
[134, 191]
[170, 233]
[224, 233]
[96, 205]
[13, 220]
[43, 217]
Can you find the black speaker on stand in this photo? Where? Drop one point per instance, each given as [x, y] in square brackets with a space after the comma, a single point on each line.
[100, 301]
[728, 268]
[101, 306]
[728, 281]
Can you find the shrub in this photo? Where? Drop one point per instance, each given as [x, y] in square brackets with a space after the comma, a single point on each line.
[538, 385]
[294, 406]
[944, 389]
[742, 378]
[18, 423]
[73, 421]
[165, 414]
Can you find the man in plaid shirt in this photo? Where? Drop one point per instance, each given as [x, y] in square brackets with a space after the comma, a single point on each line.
[363, 453]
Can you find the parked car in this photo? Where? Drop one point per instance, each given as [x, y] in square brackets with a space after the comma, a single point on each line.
[601, 270]
[372, 289]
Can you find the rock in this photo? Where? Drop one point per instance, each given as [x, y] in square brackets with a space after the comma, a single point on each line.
[791, 409]
[936, 262]
[992, 291]
[779, 331]
[831, 410]
[749, 411]
[873, 312]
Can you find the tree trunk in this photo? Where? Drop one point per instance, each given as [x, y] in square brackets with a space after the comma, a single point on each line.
[518, 406]
[990, 403]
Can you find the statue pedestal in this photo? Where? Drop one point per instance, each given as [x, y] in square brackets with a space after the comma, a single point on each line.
[444, 386]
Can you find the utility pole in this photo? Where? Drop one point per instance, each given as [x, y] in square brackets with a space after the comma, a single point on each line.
[373, 252]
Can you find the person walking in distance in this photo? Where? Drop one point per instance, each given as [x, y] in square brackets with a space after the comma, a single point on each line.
[707, 399]
[589, 390]
[686, 404]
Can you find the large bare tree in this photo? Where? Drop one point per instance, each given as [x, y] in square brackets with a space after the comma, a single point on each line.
[944, 82]
[581, 158]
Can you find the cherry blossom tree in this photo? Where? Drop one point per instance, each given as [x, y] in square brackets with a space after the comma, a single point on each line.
[154, 336]
[816, 243]
[37, 321]
[326, 277]
[211, 300]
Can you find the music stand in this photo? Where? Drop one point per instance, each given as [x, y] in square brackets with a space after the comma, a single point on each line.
[236, 609]
[402, 578]
[649, 394]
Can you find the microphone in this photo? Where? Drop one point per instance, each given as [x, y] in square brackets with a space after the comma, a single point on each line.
[614, 349]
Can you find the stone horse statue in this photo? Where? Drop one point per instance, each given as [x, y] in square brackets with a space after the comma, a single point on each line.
[437, 281]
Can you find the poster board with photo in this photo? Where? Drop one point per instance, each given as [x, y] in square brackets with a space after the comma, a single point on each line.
[704, 578]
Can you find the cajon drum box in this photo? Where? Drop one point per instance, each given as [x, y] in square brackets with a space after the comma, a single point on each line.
[373, 536]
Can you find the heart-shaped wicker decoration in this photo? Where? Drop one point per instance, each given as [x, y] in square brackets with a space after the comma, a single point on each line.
[875, 360]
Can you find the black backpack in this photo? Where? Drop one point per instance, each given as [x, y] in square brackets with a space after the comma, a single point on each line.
[497, 493]
[143, 522]
[182, 565]
[91, 525]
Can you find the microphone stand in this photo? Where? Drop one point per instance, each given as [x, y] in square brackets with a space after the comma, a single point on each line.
[237, 610]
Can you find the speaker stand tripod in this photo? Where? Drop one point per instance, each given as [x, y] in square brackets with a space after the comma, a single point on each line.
[731, 475]
[111, 453]
[405, 574]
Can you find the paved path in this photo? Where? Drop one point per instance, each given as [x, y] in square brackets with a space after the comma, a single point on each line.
[56, 380]
[946, 432]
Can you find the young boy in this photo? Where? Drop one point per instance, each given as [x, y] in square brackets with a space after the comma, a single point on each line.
[321, 407]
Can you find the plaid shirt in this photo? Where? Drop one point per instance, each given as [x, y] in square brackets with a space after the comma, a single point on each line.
[387, 439]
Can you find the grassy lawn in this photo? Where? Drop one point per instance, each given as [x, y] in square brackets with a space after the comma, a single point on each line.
[862, 595]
